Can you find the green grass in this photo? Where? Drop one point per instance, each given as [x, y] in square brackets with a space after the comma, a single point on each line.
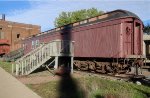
[46, 90]
[91, 87]
[6, 66]
[86, 87]
[101, 87]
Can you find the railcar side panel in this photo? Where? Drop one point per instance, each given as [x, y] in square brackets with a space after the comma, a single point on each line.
[109, 39]
[102, 41]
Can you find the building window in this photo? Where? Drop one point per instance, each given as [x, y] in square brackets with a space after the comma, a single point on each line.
[1, 33]
[18, 35]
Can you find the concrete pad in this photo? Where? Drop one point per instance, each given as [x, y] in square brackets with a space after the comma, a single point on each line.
[10, 87]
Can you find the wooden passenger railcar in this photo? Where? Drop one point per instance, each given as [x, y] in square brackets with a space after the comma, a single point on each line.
[107, 42]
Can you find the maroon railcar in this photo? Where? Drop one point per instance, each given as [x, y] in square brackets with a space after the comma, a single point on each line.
[111, 37]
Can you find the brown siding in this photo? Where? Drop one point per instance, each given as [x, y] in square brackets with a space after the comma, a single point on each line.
[99, 40]
[11, 29]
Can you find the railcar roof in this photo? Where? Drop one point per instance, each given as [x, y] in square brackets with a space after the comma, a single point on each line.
[116, 14]
[122, 13]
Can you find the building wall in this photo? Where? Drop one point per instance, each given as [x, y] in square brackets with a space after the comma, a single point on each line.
[15, 32]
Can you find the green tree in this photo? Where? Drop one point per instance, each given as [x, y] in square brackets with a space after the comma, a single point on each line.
[147, 29]
[93, 12]
[70, 17]
[64, 18]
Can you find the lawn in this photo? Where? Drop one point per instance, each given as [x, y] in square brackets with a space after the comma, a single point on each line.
[90, 87]
[86, 87]
[6, 66]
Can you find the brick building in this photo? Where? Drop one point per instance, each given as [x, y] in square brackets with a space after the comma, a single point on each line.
[15, 32]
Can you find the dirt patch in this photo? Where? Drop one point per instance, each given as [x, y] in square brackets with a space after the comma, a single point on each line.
[38, 78]
[43, 77]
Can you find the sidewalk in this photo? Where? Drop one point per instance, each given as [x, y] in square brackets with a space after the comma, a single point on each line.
[10, 87]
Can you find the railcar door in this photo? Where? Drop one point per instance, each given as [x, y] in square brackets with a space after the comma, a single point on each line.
[137, 39]
[128, 38]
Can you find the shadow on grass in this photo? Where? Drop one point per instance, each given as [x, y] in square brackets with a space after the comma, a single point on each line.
[143, 80]
[98, 96]
[68, 88]
[107, 96]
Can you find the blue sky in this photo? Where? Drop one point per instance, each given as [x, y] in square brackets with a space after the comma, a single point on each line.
[44, 12]
[8, 6]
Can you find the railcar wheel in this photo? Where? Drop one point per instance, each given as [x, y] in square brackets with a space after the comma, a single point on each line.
[91, 65]
[109, 69]
[100, 67]
[76, 64]
[84, 65]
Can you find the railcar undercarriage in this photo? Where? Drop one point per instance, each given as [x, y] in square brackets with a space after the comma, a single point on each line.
[112, 66]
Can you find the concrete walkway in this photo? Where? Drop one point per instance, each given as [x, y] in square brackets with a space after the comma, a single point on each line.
[10, 87]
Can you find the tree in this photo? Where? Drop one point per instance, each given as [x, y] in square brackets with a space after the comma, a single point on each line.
[147, 29]
[69, 17]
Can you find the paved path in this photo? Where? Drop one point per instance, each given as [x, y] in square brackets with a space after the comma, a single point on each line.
[10, 87]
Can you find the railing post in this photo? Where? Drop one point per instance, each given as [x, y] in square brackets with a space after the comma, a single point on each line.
[31, 64]
[17, 70]
[56, 62]
[22, 68]
[42, 54]
[36, 58]
[72, 48]
[71, 64]
[59, 47]
[49, 50]
[53, 48]
[26, 63]
[12, 68]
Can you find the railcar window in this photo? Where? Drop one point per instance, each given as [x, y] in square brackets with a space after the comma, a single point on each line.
[33, 44]
[37, 43]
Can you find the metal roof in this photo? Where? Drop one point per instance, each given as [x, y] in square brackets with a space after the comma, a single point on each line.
[121, 13]
[116, 14]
